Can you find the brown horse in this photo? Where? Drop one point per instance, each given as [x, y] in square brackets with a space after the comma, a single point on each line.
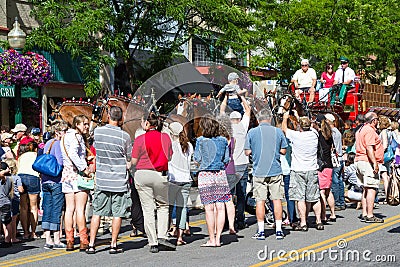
[131, 119]
[190, 111]
[71, 108]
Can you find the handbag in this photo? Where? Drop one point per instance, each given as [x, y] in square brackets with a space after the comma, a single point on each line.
[334, 158]
[84, 183]
[47, 164]
[321, 163]
[393, 191]
[389, 155]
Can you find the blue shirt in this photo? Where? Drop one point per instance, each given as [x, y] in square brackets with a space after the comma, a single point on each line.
[211, 153]
[265, 142]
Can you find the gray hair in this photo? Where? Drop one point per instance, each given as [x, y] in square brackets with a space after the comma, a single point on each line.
[225, 123]
[115, 113]
[370, 116]
[264, 115]
[58, 127]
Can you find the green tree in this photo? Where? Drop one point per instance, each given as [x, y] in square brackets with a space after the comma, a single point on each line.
[317, 30]
[95, 29]
[322, 31]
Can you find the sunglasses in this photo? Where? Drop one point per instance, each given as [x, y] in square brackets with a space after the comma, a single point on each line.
[329, 68]
[343, 62]
[304, 65]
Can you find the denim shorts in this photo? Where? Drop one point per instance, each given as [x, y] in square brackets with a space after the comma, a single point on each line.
[30, 183]
[15, 206]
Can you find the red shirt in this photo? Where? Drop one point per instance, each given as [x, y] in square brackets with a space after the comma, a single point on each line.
[328, 81]
[153, 150]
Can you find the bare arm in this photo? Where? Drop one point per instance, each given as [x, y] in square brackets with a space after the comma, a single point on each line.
[242, 92]
[222, 108]
[314, 82]
[284, 122]
[372, 159]
[247, 109]
[134, 161]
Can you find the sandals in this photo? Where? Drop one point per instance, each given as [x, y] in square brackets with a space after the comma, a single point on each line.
[303, 228]
[320, 226]
[180, 243]
[373, 219]
[91, 250]
[116, 250]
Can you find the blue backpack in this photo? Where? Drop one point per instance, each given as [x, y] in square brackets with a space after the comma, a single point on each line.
[393, 144]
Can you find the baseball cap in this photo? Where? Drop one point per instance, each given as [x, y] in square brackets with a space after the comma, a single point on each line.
[235, 115]
[26, 140]
[35, 131]
[5, 136]
[175, 128]
[344, 59]
[233, 76]
[20, 127]
[304, 62]
[320, 118]
[330, 117]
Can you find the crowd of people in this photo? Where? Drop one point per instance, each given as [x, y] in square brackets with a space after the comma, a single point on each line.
[149, 178]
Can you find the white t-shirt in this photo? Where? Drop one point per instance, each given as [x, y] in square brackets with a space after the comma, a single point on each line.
[179, 165]
[239, 133]
[349, 74]
[305, 79]
[304, 149]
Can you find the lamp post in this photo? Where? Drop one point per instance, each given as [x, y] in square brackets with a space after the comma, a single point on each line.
[17, 39]
[231, 56]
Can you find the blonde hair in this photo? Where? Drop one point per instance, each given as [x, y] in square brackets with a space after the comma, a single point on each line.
[12, 164]
[384, 122]
[394, 125]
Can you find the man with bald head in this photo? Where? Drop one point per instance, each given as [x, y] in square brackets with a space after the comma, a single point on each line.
[304, 175]
[369, 154]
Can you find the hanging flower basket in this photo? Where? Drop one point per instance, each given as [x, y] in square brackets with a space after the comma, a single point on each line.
[24, 70]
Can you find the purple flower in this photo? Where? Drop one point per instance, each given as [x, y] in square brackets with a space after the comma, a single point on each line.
[26, 70]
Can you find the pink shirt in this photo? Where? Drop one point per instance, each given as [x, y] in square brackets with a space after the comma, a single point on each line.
[329, 81]
[365, 137]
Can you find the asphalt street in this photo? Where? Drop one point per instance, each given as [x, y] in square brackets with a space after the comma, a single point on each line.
[347, 241]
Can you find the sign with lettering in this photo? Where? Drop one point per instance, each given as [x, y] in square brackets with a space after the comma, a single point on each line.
[7, 92]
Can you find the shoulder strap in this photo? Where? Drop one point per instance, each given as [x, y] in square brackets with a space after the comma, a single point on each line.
[52, 143]
[319, 145]
[66, 152]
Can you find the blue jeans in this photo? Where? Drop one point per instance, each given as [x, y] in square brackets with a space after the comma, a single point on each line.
[53, 202]
[236, 105]
[338, 186]
[178, 195]
[240, 191]
[290, 203]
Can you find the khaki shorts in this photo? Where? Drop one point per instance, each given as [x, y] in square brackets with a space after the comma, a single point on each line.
[111, 204]
[304, 186]
[366, 175]
[272, 186]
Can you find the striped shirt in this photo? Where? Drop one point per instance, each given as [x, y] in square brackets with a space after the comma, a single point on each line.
[113, 150]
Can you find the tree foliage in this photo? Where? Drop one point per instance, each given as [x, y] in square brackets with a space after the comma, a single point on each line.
[88, 29]
[322, 31]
